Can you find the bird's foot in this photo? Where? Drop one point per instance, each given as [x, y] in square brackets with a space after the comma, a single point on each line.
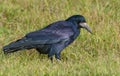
[59, 61]
[51, 58]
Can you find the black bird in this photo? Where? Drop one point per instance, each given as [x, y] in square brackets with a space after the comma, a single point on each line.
[52, 39]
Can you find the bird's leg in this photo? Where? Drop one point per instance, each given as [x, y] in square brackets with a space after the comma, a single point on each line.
[57, 56]
[50, 54]
[59, 61]
[51, 58]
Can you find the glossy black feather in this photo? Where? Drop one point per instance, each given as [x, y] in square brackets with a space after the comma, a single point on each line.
[50, 40]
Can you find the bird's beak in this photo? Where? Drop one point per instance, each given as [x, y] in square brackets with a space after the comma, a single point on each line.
[85, 25]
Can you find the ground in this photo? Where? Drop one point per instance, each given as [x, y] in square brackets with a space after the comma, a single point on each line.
[89, 55]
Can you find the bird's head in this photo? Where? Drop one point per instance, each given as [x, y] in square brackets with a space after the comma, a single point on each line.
[80, 21]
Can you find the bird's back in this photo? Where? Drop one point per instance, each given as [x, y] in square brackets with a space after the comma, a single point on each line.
[60, 28]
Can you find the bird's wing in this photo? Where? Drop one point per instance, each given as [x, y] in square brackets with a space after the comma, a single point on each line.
[44, 38]
[54, 33]
[33, 41]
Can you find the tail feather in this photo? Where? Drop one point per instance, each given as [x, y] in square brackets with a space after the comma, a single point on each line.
[20, 44]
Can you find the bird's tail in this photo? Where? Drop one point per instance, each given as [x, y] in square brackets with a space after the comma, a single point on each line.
[20, 44]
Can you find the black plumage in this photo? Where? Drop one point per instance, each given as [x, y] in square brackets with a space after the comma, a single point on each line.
[52, 39]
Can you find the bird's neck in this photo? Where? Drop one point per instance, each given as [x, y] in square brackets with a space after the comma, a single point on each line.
[76, 25]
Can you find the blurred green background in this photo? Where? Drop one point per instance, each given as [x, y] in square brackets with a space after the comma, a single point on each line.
[89, 55]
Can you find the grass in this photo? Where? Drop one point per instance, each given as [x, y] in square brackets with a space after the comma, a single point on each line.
[89, 55]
